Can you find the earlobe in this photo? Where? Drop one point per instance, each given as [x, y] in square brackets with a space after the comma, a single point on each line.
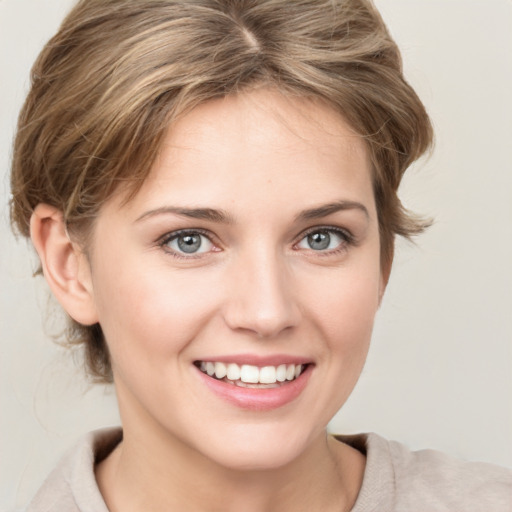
[64, 265]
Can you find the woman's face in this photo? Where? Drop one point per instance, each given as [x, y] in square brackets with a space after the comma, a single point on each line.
[252, 249]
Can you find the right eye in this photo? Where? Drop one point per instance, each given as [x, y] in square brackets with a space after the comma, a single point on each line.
[186, 243]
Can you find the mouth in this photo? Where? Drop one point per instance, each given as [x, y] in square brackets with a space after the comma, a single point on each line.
[250, 376]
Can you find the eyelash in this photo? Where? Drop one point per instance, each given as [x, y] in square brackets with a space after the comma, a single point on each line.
[169, 237]
[347, 239]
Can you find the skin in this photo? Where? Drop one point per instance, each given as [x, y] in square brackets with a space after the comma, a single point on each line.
[255, 287]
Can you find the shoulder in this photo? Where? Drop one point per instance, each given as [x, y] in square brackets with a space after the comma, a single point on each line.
[405, 480]
[72, 485]
[445, 481]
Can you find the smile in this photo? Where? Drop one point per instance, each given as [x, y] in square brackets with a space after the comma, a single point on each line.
[249, 376]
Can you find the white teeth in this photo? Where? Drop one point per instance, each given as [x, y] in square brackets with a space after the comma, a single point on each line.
[249, 374]
[233, 372]
[220, 370]
[267, 375]
[281, 373]
[210, 368]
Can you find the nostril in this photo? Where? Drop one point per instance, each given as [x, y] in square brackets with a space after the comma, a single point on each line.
[259, 320]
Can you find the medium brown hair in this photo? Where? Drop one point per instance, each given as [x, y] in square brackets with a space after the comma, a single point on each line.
[107, 86]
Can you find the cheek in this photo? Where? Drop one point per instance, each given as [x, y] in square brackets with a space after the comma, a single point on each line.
[343, 313]
[345, 304]
[152, 309]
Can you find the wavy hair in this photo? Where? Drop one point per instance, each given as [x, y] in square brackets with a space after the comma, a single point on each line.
[118, 73]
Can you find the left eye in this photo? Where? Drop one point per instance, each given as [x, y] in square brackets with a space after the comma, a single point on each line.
[189, 243]
[322, 240]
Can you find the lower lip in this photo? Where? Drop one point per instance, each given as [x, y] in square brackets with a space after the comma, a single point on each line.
[255, 399]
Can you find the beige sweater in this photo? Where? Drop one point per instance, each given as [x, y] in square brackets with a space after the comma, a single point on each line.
[395, 479]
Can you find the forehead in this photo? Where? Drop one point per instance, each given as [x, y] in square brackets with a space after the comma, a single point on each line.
[258, 141]
[256, 117]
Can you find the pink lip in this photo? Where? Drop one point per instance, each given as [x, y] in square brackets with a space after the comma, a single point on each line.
[257, 399]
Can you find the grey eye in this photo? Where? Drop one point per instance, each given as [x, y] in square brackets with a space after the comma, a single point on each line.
[319, 241]
[190, 243]
[322, 239]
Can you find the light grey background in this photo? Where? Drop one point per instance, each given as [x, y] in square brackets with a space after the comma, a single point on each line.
[440, 370]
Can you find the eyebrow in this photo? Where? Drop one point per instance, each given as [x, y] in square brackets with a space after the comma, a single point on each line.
[330, 208]
[222, 217]
[210, 214]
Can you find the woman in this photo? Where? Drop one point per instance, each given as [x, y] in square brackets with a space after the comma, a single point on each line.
[211, 189]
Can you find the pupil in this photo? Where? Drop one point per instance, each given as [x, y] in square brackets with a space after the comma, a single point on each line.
[319, 241]
[189, 243]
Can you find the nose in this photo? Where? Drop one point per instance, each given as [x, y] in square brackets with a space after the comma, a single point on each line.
[261, 298]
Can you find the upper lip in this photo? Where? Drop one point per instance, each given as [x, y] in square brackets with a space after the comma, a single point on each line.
[258, 360]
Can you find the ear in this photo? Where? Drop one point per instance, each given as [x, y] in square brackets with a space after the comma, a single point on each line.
[64, 264]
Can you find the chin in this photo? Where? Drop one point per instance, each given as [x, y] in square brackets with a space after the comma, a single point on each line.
[256, 459]
[258, 449]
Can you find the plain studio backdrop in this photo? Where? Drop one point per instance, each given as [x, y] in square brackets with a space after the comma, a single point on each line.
[439, 373]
